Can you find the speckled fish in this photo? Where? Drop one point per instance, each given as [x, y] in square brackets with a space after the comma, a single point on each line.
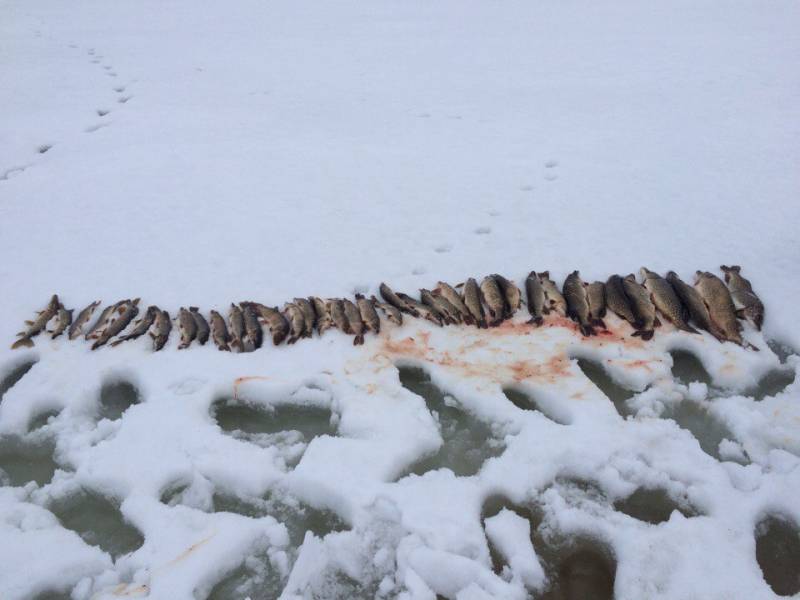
[537, 302]
[253, 334]
[643, 308]
[273, 318]
[353, 316]
[141, 326]
[219, 331]
[187, 328]
[124, 315]
[666, 300]
[454, 298]
[102, 321]
[83, 317]
[390, 312]
[162, 326]
[698, 311]
[36, 326]
[368, 314]
[397, 301]
[236, 330]
[720, 306]
[336, 310]
[474, 302]
[426, 312]
[617, 300]
[63, 320]
[495, 301]
[555, 300]
[309, 316]
[297, 323]
[447, 311]
[511, 294]
[324, 320]
[748, 305]
[578, 303]
[596, 295]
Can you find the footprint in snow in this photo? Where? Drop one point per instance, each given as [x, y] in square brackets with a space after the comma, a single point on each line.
[44, 148]
[419, 271]
[483, 230]
[551, 176]
[443, 249]
[119, 89]
[93, 128]
[102, 112]
[493, 213]
[551, 163]
[525, 188]
[12, 172]
[111, 74]
[123, 99]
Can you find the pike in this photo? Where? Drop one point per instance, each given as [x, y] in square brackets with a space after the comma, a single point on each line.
[617, 300]
[494, 299]
[354, 320]
[537, 302]
[163, 326]
[596, 295]
[397, 301]
[748, 305]
[127, 312]
[578, 303]
[698, 311]
[390, 312]
[643, 308]
[323, 320]
[297, 323]
[140, 327]
[666, 300]
[511, 293]
[368, 314]
[454, 298]
[201, 324]
[219, 331]
[63, 319]
[187, 328]
[474, 303]
[36, 326]
[83, 317]
[555, 300]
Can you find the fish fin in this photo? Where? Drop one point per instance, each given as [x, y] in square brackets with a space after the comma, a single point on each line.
[116, 343]
[587, 330]
[459, 285]
[546, 310]
[647, 335]
[22, 343]
[358, 340]
[544, 274]
[535, 321]
[28, 322]
[752, 347]
[656, 322]
[740, 313]
[599, 323]
[689, 329]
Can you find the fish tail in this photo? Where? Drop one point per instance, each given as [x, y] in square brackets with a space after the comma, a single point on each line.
[358, 340]
[646, 335]
[22, 343]
[587, 330]
[536, 321]
[688, 328]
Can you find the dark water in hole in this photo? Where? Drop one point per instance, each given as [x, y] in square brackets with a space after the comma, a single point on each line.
[52, 595]
[117, 397]
[14, 376]
[781, 350]
[23, 462]
[772, 383]
[778, 554]
[708, 431]
[98, 522]
[311, 421]
[686, 368]
[526, 401]
[41, 420]
[650, 505]
[615, 392]
[468, 442]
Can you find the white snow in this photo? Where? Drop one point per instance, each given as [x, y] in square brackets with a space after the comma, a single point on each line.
[271, 150]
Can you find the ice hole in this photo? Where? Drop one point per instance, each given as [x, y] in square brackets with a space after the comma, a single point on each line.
[781, 350]
[706, 429]
[42, 419]
[99, 522]
[467, 441]
[21, 462]
[14, 375]
[778, 554]
[53, 595]
[494, 505]
[618, 395]
[116, 397]
[650, 505]
[772, 383]
[580, 568]
[526, 401]
[686, 368]
[310, 421]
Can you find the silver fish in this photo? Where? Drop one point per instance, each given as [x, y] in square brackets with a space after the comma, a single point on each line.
[698, 311]
[237, 333]
[555, 300]
[336, 310]
[448, 312]
[102, 321]
[309, 315]
[494, 299]
[397, 301]
[426, 312]
[617, 300]
[203, 330]
[666, 300]
[36, 326]
[162, 326]
[454, 298]
[274, 320]
[63, 320]
[297, 323]
[368, 314]
[187, 328]
[125, 315]
[253, 334]
[511, 294]
[323, 320]
[219, 331]
[578, 303]
[474, 302]
[354, 320]
[720, 305]
[537, 301]
[748, 305]
[83, 317]
[390, 312]
[141, 326]
[643, 308]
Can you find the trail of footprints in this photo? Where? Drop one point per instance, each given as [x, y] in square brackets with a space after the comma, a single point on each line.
[573, 565]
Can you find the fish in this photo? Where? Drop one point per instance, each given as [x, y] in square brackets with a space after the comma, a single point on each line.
[555, 300]
[397, 301]
[748, 305]
[187, 328]
[618, 302]
[390, 312]
[426, 312]
[511, 293]
[83, 317]
[253, 334]
[336, 310]
[297, 323]
[127, 312]
[368, 314]
[102, 320]
[494, 299]
[643, 308]
[578, 303]
[454, 298]
[698, 311]
[353, 316]
[666, 300]
[537, 302]
[140, 327]
[219, 331]
[63, 320]
[596, 295]
[309, 315]
[720, 305]
[162, 326]
[36, 326]
[323, 320]
[474, 302]
[200, 322]
[274, 320]
[237, 333]
[447, 311]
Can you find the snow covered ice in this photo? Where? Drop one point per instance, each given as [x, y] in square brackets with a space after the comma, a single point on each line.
[202, 153]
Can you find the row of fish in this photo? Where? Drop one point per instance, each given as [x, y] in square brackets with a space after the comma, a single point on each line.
[710, 304]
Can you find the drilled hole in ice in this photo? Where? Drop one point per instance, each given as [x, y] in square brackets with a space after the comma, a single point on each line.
[687, 368]
[21, 462]
[651, 505]
[492, 506]
[708, 430]
[772, 383]
[99, 522]
[467, 441]
[580, 568]
[116, 397]
[778, 554]
[310, 421]
[526, 401]
[781, 350]
[618, 395]
[14, 375]
[53, 595]
[42, 419]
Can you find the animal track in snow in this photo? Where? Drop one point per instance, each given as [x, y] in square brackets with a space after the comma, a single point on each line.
[12, 172]
[525, 188]
[419, 271]
[44, 148]
[93, 128]
[483, 230]
[101, 112]
[551, 163]
[443, 249]
[119, 89]
[124, 99]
